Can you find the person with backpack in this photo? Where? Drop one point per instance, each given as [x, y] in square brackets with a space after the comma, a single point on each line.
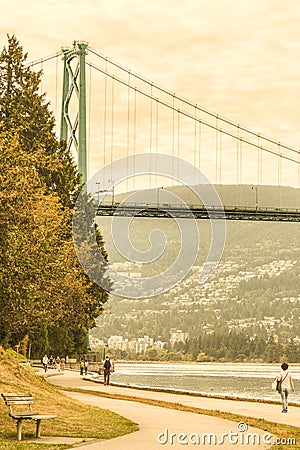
[285, 385]
[106, 370]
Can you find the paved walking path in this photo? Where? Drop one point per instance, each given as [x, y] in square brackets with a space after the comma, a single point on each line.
[154, 421]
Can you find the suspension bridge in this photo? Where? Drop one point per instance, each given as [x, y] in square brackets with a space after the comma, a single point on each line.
[110, 112]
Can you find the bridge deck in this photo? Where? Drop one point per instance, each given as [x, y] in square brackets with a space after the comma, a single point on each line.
[198, 212]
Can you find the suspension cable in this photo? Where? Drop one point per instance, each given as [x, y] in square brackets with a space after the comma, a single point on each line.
[42, 60]
[182, 99]
[210, 125]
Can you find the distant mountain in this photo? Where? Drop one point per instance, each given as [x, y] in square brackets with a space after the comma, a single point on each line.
[255, 290]
[230, 195]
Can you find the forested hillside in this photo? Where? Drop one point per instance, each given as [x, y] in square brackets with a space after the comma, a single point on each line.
[248, 310]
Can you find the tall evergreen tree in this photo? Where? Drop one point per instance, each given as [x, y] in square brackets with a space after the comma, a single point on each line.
[44, 292]
[26, 114]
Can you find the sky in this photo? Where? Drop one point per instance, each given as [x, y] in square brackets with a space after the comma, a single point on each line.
[237, 58]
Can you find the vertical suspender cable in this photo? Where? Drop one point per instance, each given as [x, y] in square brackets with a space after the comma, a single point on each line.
[42, 72]
[56, 86]
[241, 165]
[280, 174]
[241, 160]
[237, 155]
[298, 169]
[128, 129]
[195, 144]
[220, 156]
[217, 148]
[258, 159]
[260, 172]
[112, 122]
[150, 132]
[173, 137]
[90, 119]
[178, 142]
[156, 139]
[279, 165]
[105, 115]
[200, 145]
[134, 137]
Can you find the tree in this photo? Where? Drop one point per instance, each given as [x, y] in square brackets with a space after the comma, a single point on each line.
[43, 286]
[42, 282]
[26, 114]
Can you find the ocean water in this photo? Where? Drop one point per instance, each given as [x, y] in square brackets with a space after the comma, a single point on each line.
[232, 380]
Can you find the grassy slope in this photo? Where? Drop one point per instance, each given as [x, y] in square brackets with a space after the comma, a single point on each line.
[73, 418]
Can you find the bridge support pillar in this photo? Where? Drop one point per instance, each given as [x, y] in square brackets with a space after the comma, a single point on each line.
[73, 125]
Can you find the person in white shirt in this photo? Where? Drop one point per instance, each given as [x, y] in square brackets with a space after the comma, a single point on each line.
[45, 361]
[287, 385]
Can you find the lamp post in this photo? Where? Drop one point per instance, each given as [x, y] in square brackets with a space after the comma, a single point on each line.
[106, 191]
[98, 192]
[113, 191]
[256, 196]
[157, 198]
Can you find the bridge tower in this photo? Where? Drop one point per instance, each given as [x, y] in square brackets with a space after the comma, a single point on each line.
[73, 111]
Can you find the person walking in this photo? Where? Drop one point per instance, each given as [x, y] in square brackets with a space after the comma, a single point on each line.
[86, 366]
[45, 361]
[62, 364]
[57, 363]
[106, 369]
[81, 365]
[286, 385]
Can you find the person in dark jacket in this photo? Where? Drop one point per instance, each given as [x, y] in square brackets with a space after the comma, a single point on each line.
[106, 369]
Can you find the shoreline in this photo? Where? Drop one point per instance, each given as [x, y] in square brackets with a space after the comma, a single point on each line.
[204, 363]
[96, 379]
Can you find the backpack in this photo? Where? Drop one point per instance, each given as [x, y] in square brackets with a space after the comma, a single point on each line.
[279, 383]
[107, 364]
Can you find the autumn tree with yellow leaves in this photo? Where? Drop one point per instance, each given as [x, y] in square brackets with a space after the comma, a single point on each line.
[44, 292]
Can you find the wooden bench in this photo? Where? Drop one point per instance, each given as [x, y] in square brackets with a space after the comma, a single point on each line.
[13, 400]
